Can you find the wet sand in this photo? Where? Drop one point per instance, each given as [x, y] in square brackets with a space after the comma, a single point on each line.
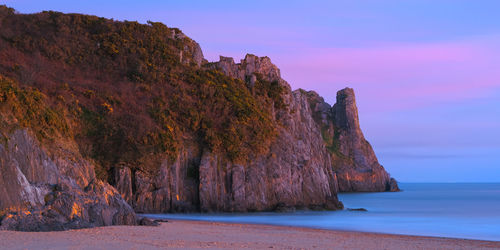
[178, 234]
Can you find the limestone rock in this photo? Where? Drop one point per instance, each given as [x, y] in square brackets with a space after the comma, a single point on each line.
[43, 193]
[297, 171]
[191, 53]
[319, 151]
[247, 68]
[353, 158]
[123, 181]
[173, 189]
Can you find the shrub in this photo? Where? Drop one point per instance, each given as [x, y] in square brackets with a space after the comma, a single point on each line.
[120, 90]
[29, 107]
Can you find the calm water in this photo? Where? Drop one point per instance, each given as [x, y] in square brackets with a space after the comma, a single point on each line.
[450, 210]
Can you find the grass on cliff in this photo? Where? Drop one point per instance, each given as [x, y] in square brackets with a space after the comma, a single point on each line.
[26, 107]
[120, 90]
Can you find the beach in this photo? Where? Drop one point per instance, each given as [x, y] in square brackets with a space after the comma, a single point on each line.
[181, 234]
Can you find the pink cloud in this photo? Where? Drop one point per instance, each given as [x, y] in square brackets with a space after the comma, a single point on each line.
[411, 75]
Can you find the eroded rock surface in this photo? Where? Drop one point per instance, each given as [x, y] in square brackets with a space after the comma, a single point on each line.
[319, 151]
[296, 172]
[246, 69]
[43, 193]
[353, 158]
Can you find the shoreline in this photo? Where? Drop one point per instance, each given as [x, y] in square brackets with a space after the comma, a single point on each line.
[178, 234]
[324, 229]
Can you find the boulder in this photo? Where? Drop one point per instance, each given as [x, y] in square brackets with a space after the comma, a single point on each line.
[143, 221]
[357, 209]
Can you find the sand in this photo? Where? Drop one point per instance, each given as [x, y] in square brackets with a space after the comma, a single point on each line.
[178, 234]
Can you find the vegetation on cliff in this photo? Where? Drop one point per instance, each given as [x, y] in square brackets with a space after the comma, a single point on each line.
[27, 107]
[126, 91]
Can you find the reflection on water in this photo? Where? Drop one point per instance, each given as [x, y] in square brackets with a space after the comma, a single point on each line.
[450, 210]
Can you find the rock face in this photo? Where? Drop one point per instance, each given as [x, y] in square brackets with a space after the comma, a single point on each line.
[191, 51]
[319, 151]
[353, 158]
[173, 189]
[43, 193]
[247, 68]
[296, 172]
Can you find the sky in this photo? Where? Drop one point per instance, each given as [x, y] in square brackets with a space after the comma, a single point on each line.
[426, 73]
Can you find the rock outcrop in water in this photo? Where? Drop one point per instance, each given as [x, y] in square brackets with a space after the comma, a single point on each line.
[105, 108]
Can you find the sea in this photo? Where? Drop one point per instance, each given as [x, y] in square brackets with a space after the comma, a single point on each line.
[456, 210]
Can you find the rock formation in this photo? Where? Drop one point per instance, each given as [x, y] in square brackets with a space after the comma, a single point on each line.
[295, 173]
[319, 151]
[353, 158]
[247, 68]
[43, 193]
[137, 118]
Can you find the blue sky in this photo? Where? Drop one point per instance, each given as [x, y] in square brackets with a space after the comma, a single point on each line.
[426, 73]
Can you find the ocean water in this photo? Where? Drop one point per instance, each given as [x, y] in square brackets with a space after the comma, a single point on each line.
[457, 210]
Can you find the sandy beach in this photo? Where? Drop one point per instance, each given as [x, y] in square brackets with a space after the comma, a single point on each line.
[179, 234]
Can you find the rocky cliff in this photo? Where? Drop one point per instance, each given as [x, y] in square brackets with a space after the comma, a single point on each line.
[106, 112]
[353, 158]
[41, 193]
[45, 183]
[296, 172]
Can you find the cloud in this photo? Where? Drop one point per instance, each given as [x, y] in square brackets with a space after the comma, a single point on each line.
[408, 74]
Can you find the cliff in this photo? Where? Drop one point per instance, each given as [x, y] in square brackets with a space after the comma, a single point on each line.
[102, 108]
[294, 172]
[353, 158]
[43, 189]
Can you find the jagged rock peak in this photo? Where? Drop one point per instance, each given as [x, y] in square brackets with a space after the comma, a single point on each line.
[346, 111]
[246, 69]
